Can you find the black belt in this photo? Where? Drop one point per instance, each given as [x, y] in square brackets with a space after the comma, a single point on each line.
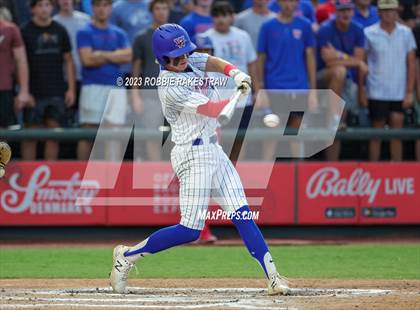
[200, 141]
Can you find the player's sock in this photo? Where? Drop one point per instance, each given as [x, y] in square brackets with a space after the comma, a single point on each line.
[162, 239]
[254, 241]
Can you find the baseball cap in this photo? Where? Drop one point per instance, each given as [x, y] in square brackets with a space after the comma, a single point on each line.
[344, 4]
[387, 4]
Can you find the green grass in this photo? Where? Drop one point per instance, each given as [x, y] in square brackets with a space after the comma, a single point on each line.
[332, 261]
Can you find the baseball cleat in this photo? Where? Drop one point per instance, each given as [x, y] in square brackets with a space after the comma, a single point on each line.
[120, 269]
[277, 285]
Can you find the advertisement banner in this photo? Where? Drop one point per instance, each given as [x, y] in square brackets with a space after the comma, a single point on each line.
[329, 193]
[146, 193]
[359, 193]
[45, 193]
[395, 196]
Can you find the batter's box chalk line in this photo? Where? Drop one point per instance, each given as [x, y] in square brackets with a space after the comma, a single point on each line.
[128, 306]
[312, 292]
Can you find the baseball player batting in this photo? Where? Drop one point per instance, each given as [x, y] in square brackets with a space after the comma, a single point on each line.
[202, 167]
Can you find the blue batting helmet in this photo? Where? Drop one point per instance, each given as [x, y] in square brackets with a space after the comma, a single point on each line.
[171, 40]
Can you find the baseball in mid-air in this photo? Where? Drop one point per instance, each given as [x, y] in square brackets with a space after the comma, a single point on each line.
[271, 120]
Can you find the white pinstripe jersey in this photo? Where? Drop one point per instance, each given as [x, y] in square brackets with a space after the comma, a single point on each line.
[180, 102]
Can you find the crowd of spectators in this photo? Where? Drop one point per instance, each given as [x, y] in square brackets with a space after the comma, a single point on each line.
[61, 59]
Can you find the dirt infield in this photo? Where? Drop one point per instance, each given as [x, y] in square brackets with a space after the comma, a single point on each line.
[208, 294]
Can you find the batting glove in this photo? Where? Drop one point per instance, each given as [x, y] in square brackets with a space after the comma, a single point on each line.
[240, 77]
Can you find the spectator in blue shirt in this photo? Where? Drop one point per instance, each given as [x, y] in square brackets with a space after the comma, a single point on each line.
[340, 61]
[365, 14]
[199, 20]
[286, 60]
[102, 48]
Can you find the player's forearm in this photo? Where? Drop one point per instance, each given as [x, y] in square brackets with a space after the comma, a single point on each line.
[216, 64]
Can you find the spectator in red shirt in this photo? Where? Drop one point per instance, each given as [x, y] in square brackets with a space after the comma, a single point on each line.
[12, 55]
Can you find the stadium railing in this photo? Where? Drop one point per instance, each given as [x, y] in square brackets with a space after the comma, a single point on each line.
[74, 134]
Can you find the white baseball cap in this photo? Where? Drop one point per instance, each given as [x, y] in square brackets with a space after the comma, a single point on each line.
[387, 4]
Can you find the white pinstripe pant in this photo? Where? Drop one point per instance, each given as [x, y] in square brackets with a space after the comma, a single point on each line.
[205, 171]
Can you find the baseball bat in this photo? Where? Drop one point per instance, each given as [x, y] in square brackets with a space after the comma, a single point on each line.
[226, 114]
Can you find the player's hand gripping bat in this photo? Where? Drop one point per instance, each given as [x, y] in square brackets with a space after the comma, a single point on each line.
[226, 114]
